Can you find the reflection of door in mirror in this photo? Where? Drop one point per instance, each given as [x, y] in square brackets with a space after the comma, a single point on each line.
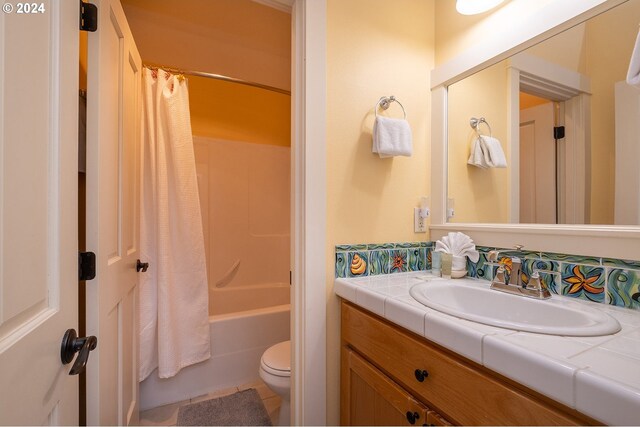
[537, 163]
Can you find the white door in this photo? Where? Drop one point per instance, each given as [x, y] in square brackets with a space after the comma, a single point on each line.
[113, 134]
[38, 211]
[537, 165]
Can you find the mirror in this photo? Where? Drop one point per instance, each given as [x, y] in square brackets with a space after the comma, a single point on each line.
[574, 82]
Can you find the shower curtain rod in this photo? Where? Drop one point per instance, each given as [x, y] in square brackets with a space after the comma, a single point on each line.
[221, 77]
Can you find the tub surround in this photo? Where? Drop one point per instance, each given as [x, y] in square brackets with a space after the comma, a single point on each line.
[596, 279]
[238, 341]
[597, 376]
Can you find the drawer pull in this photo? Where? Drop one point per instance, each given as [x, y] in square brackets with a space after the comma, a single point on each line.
[412, 417]
[421, 374]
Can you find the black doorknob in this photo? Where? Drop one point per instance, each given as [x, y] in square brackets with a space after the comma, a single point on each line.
[412, 417]
[141, 266]
[421, 374]
[71, 345]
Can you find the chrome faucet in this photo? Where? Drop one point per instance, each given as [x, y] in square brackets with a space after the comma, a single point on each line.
[511, 281]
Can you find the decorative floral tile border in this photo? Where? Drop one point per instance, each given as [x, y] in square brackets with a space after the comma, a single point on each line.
[382, 258]
[603, 280]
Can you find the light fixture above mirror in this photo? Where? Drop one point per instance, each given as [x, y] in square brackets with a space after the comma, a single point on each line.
[474, 7]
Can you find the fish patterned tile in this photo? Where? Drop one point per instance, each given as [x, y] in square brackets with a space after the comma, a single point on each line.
[574, 259]
[341, 265]
[623, 288]
[620, 263]
[345, 248]
[378, 262]
[417, 259]
[407, 245]
[374, 246]
[481, 269]
[428, 254]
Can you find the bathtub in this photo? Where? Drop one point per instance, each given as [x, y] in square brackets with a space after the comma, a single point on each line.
[245, 321]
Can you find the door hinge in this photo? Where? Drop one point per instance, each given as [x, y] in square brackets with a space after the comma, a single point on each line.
[86, 265]
[558, 132]
[290, 278]
[88, 17]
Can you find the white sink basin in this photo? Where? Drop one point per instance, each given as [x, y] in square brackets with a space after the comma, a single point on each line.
[473, 300]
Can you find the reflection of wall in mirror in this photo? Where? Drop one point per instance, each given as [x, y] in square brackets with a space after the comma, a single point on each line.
[600, 49]
[481, 195]
[607, 63]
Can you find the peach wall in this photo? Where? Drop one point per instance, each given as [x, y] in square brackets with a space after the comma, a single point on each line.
[374, 48]
[237, 38]
[607, 63]
[237, 112]
[481, 195]
[528, 101]
[456, 33]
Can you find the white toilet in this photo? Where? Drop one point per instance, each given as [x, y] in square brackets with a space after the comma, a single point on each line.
[275, 371]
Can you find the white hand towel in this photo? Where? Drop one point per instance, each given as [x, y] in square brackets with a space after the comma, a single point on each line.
[392, 137]
[476, 158]
[494, 156]
[458, 244]
[633, 75]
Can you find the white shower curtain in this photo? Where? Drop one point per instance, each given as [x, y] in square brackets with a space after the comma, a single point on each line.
[174, 312]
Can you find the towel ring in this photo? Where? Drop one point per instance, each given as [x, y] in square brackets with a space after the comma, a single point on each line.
[384, 103]
[475, 123]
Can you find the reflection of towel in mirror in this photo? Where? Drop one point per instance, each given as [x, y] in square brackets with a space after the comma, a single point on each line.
[477, 155]
[486, 152]
[633, 75]
[392, 137]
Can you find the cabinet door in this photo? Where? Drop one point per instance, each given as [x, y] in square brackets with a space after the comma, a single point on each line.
[371, 398]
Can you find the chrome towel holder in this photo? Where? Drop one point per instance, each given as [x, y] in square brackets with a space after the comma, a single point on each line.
[384, 103]
[475, 124]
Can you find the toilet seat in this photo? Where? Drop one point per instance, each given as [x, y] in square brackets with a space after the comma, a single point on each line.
[277, 360]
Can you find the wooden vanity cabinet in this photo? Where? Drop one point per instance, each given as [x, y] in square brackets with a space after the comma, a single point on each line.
[390, 376]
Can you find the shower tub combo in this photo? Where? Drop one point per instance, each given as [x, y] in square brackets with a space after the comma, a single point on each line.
[244, 322]
[244, 200]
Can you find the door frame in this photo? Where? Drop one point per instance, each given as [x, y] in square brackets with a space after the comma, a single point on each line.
[551, 81]
[308, 196]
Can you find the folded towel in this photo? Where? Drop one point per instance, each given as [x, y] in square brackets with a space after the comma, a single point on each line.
[477, 157]
[392, 137]
[494, 156]
[633, 75]
[458, 244]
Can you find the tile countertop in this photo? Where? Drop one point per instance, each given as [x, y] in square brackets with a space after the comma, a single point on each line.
[598, 376]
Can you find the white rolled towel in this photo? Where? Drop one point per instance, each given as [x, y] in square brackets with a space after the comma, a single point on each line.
[633, 75]
[392, 137]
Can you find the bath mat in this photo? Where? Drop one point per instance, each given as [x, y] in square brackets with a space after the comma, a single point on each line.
[243, 408]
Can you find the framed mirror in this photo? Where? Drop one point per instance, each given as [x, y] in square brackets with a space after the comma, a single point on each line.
[567, 122]
[547, 196]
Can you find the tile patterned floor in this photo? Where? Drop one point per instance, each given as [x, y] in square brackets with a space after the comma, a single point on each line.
[168, 415]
